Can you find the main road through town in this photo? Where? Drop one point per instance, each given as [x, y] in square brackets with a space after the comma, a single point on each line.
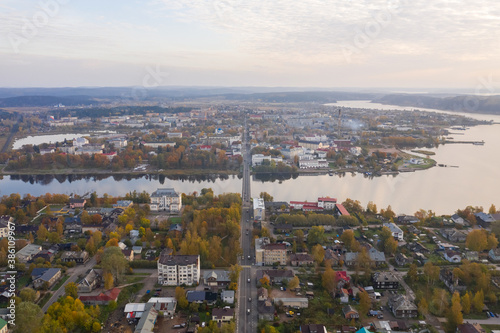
[247, 291]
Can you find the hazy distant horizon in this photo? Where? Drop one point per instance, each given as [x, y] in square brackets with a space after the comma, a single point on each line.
[444, 44]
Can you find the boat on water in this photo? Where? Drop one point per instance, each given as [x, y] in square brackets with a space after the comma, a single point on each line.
[478, 143]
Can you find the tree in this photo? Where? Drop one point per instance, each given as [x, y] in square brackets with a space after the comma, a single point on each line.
[316, 235]
[431, 272]
[108, 281]
[454, 315]
[114, 262]
[477, 240]
[365, 303]
[318, 253]
[234, 273]
[266, 196]
[42, 233]
[27, 295]
[439, 301]
[412, 273]
[478, 302]
[293, 283]
[388, 213]
[264, 282]
[423, 306]
[492, 241]
[329, 280]
[180, 296]
[71, 290]
[30, 317]
[352, 206]
[492, 209]
[348, 239]
[466, 303]
[390, 246]
[371, 208]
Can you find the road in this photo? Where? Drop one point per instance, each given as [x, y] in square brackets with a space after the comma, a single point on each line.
[246, 309]
[78, 270]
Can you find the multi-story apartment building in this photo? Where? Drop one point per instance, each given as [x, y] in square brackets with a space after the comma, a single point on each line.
[176, 270]
[274, 253]
[166, 199]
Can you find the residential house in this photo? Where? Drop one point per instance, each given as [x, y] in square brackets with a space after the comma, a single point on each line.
[340, 210]
[471, 255]
[385, 280]
[377, 258]
[276, 275]
[77, 203]
[484, 220]
[128, 254]
[349, 312]
[312, 328]
[227, 296]
[344, 296]
[452, 256]
[396, 231]
[164, 305]
[102, 298]
[342, 279]
[175, 270]
[402, 307]
[216, 278]
[470, 328]
[417, 247]
[457, 219]
[407, 219]
[4, 225]
[494, 254]
[454, 235]
[47, 277]
[301, 259]
[27, 253]
[123, 204]
[452, 282]
[292, 302]
[274, 253]
[222, 315]
[334, 258]
[283, 228]
[166, 199]
[266, 310]
[262, 294]
[90, 282]
[3, 326]
[46, 255]
[402, 260]
[200, 296]
[148, 320]
[78, 257]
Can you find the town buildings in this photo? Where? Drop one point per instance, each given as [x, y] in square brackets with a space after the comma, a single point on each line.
[166, 199]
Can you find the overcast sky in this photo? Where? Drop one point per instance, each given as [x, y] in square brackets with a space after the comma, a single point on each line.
[304, 43]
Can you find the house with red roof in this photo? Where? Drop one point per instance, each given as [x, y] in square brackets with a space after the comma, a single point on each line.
[102, 298]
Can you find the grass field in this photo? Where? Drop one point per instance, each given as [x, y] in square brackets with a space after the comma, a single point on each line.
[60, 283]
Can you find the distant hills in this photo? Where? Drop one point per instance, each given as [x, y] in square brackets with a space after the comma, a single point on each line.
[85, 96]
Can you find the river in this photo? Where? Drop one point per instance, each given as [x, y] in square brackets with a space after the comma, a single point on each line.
[474, 181]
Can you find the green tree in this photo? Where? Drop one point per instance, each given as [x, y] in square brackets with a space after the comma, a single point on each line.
[266, 196]
[114, 262]
[293, 283]
[28, 317]
[28, 295]
[316, 235]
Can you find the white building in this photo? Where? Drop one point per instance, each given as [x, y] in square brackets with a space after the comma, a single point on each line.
[327, 203]
[257, 159]
[395, 230]
[313, 164]
[166, 199]
[175, 270]
[259, 209]
[80, 142]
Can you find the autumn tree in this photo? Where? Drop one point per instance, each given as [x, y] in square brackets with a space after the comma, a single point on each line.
[71, 290]
[28, 295]
[266, 196]
[318, 253]
[492, 209]
[234, 273]
[371, 208]
[316, 235]
[365, 303]
[293, 283]
[478, 302]
[466, 303]
[423, 306]
[412, 273]
[42, 233]
[479, 240]
[29, 317]
[439, 301]
[454, 316]
[180, 296]
[352, 206]
[329, 280]
[265, 282]
[431, 272]
[108, 281]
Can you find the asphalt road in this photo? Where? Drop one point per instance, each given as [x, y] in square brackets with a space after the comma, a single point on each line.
[246, 309]
[78, 270]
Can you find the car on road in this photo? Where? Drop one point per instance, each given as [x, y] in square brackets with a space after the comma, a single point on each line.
[248, 257]
[248, 280]
[496, 315]
[248, 310]
[249, 299]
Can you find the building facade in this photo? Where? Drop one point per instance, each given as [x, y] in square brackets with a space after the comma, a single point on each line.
[166, 199]
[176, 270]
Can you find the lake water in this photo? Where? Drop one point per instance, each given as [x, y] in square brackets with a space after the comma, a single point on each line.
[475, 180]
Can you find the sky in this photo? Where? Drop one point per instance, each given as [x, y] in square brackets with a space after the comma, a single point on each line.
[306, 43]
